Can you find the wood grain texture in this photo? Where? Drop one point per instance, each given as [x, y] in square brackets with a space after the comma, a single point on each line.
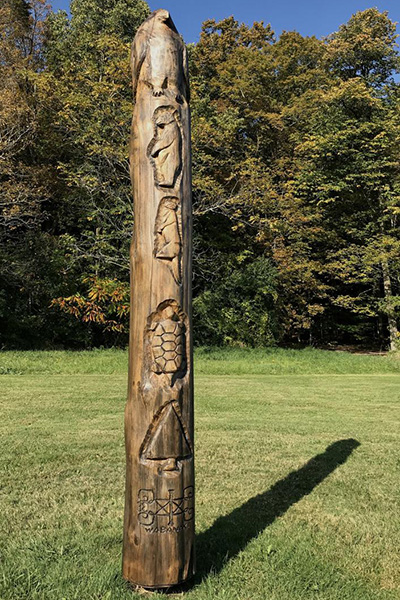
[159, 508]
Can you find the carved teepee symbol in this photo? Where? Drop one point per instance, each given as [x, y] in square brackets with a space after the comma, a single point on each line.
[167, 438]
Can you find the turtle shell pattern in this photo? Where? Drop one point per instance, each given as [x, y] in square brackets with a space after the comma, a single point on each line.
[168, 346]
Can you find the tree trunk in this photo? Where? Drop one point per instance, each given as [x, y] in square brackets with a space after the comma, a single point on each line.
[387, 287]
[159, 508]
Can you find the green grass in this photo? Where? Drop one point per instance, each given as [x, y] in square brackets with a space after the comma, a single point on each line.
[297, 476]
[208, 361]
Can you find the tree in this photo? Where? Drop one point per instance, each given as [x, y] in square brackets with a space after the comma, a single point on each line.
[296, 178]
[22, 181]
[26, 179]
[86, 85]
[365, 47]
[244, 169]
[350, 169]
[89, 73]
[73, 209]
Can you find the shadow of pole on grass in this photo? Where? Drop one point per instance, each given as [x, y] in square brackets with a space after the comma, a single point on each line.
[231, 533]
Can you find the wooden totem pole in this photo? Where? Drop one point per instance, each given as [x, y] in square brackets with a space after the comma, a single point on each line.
[159, 508]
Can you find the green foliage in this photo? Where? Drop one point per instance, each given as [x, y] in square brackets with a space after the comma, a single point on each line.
[240, 309]
[65, 184]
[296, 178]
[89, 77]
[311, 176]
[365, 47]
[92, 18]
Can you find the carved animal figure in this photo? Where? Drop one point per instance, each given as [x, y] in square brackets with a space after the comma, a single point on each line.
[165, 149]
[159, 57]
[167, 242]
[168, 343]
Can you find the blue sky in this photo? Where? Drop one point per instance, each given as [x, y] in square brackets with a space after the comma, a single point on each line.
[309, 17]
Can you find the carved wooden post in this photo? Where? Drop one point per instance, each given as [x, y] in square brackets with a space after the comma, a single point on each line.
[159, 508]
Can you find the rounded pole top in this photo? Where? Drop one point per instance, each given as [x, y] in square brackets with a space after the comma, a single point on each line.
[162, 15]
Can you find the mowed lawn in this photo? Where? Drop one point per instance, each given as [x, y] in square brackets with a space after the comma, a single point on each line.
[297, 464]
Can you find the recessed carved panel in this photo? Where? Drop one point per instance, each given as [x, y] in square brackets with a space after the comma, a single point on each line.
[167, 441]
[167, 235]
[165, 149]
[167, 331]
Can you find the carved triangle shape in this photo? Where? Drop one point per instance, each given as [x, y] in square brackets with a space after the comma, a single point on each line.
[166, 437]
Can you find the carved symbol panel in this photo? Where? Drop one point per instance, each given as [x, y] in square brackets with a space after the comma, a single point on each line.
[165, 515]
[167, 440]
[167, 235]
[168, 341]
[165, 149]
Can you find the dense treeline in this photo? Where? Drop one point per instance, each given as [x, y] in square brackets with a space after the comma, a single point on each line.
[296, 147]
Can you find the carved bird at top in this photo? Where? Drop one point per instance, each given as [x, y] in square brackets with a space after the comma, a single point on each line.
[159, 57]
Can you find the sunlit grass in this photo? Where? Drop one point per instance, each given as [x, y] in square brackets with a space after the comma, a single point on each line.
[267, 527]
[218, 361]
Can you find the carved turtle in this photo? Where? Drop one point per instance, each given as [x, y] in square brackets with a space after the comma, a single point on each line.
[168, 344]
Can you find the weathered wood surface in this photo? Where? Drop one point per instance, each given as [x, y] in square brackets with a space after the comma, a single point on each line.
[159, 508]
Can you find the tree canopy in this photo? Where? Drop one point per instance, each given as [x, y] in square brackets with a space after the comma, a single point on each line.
[295, 172]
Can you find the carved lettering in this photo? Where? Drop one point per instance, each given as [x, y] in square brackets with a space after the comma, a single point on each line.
[163, 529]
